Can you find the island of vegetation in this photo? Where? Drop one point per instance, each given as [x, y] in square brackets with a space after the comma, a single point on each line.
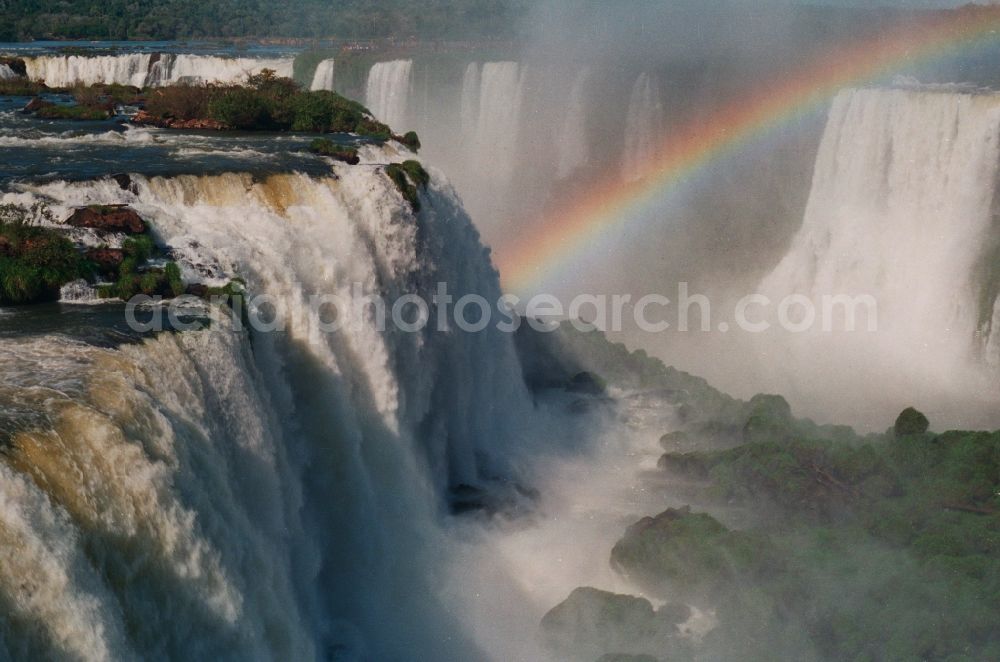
[266, 102]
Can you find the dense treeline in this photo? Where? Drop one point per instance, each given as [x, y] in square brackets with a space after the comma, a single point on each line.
[178, 19]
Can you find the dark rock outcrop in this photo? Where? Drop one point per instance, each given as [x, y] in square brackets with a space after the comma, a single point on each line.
[124, 181]
[587, 383]
[16, 64]
[108, 218]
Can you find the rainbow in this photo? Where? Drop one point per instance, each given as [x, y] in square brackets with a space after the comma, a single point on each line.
[557, 241]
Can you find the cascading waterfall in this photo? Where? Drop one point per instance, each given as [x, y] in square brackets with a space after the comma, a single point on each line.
[275, 500]
[388, 92]
[643, 126]
[501, 94]
[469, 103]
[68, 70]
[573, 147]
[323, 77]
[902, 210]
[142, 69]
[6, 73]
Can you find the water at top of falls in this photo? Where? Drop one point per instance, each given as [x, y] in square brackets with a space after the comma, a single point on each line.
[388, 92]
[323, 77]
[142, 69]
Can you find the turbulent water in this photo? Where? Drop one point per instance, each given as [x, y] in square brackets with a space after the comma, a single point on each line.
[198, 493]
[143, 69]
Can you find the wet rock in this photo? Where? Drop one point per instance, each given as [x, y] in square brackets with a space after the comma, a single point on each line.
[33, 106]
[16, 64]
[108, 218]
[144, 118]
[124, 181]
[107, 259]
[199, 290]
[587, 383]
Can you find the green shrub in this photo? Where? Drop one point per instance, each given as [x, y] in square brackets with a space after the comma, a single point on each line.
[138, 248]
[241, 108]
[411, 140]
[34, 261]
[325, 147]
[21, 87]
[184, 102]
[173, 275]
[149, 282]
[407, 176]
[78, 113]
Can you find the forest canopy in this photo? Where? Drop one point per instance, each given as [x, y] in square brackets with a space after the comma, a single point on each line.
[180, 19]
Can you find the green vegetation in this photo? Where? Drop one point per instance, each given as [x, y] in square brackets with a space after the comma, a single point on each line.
[178, 19]
[105, 96]
[883, 547]
[131, 280]
[597, 625]
[52, 111]
[408, 176]
[411, 140]
[21, 87]
[266, 102]
[325, 147]
[35, 261]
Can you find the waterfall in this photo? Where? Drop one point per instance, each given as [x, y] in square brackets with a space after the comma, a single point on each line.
[469, 103]
[142, 69]
[643, 126]
[498, 123]
[275, 499]
[902, 210]
[6, 73]
[68, 70]
[573, 147]
[214, 69]
[323, 78]
[388, 92]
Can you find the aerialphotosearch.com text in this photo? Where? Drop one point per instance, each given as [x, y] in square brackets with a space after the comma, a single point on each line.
[444, 311]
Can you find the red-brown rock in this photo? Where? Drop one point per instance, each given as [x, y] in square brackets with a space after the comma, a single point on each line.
[144, 118]
[107, 259]
[108, 218]
[34, 105]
